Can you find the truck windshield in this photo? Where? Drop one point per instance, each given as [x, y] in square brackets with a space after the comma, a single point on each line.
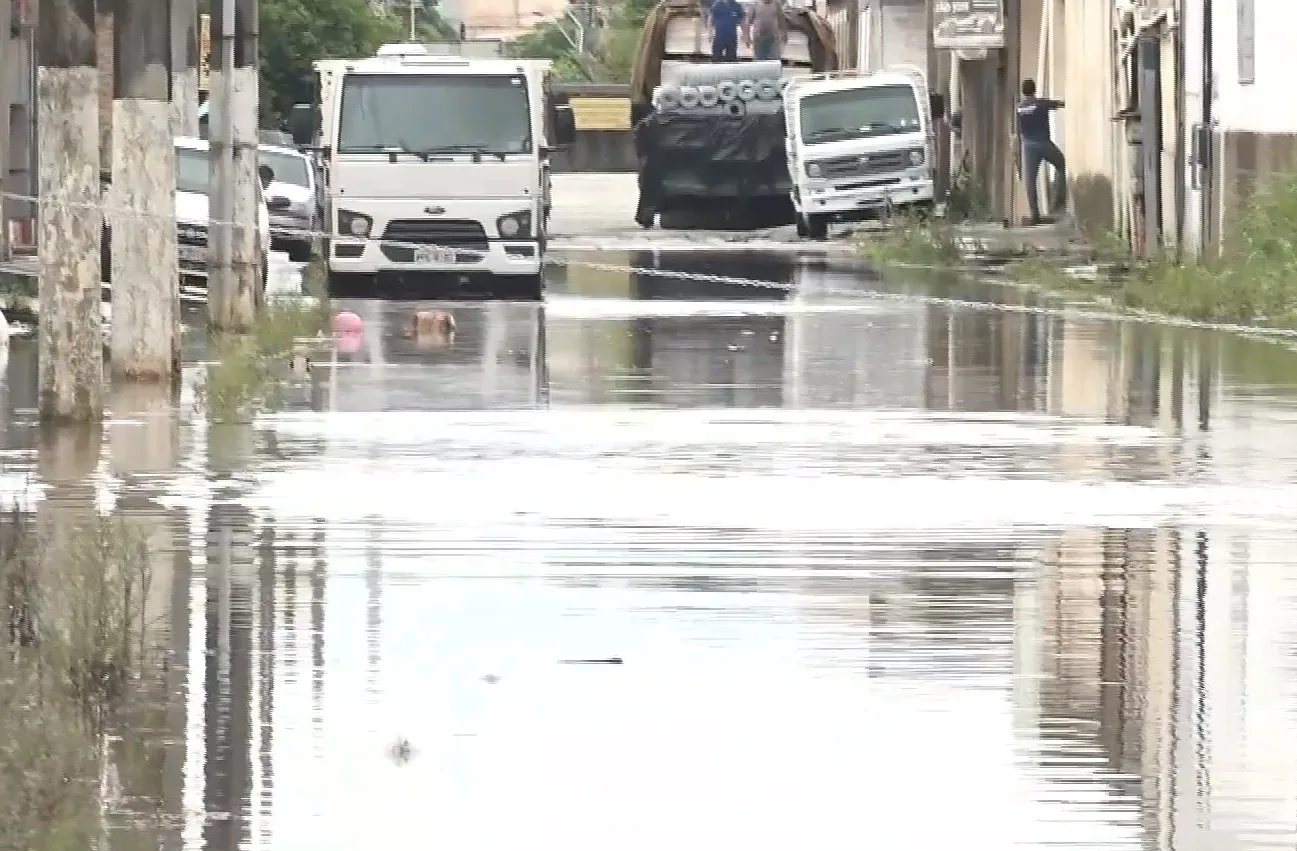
[427, 114]
[852, 113]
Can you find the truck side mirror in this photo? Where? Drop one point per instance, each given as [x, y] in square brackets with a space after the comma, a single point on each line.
[564, 125]
[303, 123]
[937, 104]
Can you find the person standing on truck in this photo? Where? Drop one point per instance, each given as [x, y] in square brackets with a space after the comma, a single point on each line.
[726, 16]
[1038, 147]
[769, 29]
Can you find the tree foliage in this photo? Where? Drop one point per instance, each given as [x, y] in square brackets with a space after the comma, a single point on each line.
[610, 62]
[294, 33]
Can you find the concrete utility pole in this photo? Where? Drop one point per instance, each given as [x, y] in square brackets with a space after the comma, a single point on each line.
[234, 284]
[6, 90]
[184, 67]
[146, 273]
[234, 288]
[71, 347]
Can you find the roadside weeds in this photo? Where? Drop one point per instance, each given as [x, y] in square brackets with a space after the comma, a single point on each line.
[248, 371]
[1251, 281]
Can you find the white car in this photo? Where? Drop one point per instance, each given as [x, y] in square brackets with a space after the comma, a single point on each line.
[294, 200]
[193, 186]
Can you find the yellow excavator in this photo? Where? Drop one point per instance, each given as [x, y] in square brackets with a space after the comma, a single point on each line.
[710, 136]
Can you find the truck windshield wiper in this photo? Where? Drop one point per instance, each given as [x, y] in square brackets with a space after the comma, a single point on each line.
[393, 151]
[475, 150]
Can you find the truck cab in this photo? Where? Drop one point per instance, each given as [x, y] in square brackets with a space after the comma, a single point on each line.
[859, 145]
[435, 172]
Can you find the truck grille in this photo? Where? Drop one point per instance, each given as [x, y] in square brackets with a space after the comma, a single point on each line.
[865, 164]
[449, 233]
[188, 234]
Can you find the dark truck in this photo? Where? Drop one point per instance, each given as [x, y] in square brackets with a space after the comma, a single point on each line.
[710, 137]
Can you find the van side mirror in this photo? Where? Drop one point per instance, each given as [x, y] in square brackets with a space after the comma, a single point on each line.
[267, 175]
[937, 104]
[564, 125]
[303, 123]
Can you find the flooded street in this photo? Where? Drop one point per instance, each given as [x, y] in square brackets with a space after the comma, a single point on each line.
[876, 565]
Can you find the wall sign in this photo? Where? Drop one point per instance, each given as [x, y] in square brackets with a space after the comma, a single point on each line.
[968, 24]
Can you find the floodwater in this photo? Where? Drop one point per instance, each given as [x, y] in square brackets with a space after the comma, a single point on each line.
[879, 565]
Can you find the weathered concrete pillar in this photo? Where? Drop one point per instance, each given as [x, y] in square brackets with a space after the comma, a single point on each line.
[6, 89]
[71, 325]
[184, 67]
[146, 274]
[234, 286]
[220, 273]
[245, 107]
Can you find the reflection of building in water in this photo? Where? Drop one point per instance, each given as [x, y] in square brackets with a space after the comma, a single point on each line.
[1110, 638]
[922, 609]
[1239, 594]
[496, 359]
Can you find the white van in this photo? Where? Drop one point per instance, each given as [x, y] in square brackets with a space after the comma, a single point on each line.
[193, 188]
[858, 144]
[193, 185]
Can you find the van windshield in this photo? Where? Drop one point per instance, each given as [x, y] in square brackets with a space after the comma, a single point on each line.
[424, 114]
[855, 113]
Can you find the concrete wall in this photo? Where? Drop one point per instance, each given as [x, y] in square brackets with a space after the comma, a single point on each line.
[503, 18]
[1084, 129]
[1256, 120]
[597, 149]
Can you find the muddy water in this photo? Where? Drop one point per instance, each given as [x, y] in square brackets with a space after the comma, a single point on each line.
[876, 569]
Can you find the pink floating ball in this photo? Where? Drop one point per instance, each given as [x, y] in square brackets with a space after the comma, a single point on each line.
[347, 322]
[349, 344]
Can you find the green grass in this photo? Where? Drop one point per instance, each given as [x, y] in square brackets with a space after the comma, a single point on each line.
[1252, 280]
[912, 240]
[249, 370]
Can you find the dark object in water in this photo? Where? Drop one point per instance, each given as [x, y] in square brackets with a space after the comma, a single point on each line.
[612, 660]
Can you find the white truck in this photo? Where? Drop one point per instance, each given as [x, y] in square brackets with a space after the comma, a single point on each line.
[436, 171]
[859, 144]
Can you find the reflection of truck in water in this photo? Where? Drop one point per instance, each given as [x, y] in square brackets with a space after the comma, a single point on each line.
[494, 359]
[710, 137]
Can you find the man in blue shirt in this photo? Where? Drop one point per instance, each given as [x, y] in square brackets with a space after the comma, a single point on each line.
[1038, 147]
[726, 16]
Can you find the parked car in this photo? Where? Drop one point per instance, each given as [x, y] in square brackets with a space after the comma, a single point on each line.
[193, 186]
[296, 202]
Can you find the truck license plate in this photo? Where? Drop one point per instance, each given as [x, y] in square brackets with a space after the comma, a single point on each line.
[434, 255]
[193, 254]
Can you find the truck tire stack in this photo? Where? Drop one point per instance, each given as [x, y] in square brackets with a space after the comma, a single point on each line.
[723, 89]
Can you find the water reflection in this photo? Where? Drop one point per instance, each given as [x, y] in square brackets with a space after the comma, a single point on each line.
[1026, 569]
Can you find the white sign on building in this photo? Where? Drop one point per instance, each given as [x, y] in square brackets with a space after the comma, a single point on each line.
[968, 24]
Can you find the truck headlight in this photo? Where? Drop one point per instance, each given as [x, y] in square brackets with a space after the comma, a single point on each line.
[813, 170]
[354, 224]
[514, 225]
[916, 156]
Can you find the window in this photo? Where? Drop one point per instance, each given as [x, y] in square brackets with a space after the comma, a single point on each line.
[425, 113]
[854, 113]
[289, 168]
[193, 171]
